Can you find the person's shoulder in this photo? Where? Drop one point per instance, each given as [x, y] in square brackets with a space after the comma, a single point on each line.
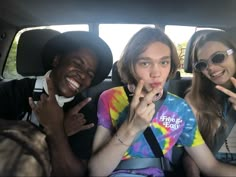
[18, 83]
[174, 98]
[187, 98]
[176, 101]
[112, 91]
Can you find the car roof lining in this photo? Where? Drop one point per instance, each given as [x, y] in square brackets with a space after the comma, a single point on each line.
[26, 13]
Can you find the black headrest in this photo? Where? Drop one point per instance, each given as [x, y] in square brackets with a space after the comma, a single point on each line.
[30, 45]
[115, 77]
[188, 52]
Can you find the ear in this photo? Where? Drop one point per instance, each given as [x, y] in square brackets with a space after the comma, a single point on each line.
[55, 61]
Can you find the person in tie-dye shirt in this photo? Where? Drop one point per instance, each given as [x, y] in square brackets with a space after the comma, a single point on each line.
[124, 112]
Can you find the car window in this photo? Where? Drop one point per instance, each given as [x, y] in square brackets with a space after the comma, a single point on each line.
[118, 35]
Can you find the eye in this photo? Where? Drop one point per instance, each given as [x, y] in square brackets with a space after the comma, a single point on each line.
[165, 63]
[77, 63]
[91, 75]
[144, 63]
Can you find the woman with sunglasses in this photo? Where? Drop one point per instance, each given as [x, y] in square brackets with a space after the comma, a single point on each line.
[213, 93]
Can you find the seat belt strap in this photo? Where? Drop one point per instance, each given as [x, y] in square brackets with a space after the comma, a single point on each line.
[222, 135]
[163, 163]
[38, 90]
[153, 143]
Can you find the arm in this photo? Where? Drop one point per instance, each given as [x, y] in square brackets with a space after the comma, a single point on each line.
[140, 115]
[106, 144]
[209, 167]
[14, 98]
[190, 167]
[64, 162]
[51, 116]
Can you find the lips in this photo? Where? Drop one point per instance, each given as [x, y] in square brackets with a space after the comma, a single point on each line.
[216, 74]
[73, 84]
[155, 84]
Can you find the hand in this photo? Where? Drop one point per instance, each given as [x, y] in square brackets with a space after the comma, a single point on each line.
[232, 95]
[142, 109]
[75, 121]
[50, 115]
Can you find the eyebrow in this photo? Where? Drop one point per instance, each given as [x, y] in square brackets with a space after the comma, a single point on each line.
[148, 58]
[82, 61]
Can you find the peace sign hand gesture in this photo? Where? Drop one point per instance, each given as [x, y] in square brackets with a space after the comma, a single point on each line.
[142, 109]
[232, 95]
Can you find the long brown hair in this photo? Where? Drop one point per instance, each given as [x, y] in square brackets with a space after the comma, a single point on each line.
[137, 45]
[203, 95]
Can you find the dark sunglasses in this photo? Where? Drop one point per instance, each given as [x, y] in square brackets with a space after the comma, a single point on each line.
[216, 58]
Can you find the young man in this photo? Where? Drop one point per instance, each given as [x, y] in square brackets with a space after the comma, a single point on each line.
[75, 61]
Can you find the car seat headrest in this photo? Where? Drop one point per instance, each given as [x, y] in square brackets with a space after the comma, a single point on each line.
[115, 77]
[30, 45]
[188, 52]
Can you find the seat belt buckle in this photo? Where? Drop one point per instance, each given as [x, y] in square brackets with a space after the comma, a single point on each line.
[165, 164]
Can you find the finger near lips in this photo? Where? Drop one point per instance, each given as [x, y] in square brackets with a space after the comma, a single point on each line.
[138, 91]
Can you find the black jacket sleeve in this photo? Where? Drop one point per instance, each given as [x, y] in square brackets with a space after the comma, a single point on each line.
[14, 98]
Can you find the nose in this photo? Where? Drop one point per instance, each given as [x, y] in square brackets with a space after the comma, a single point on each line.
[155, 71]
[210, 65]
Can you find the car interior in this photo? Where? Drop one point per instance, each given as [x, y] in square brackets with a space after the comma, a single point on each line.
[25, 26]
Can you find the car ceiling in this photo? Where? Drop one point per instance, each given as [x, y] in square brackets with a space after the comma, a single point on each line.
[24, 13]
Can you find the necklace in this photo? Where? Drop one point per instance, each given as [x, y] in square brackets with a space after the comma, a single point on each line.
[158, 96]
[227, 145]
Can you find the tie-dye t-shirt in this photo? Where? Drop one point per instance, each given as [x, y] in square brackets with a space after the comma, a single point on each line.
[173, 123]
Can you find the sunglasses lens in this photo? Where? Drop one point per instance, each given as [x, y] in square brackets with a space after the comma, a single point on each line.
[200, 66]
[219, 58]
